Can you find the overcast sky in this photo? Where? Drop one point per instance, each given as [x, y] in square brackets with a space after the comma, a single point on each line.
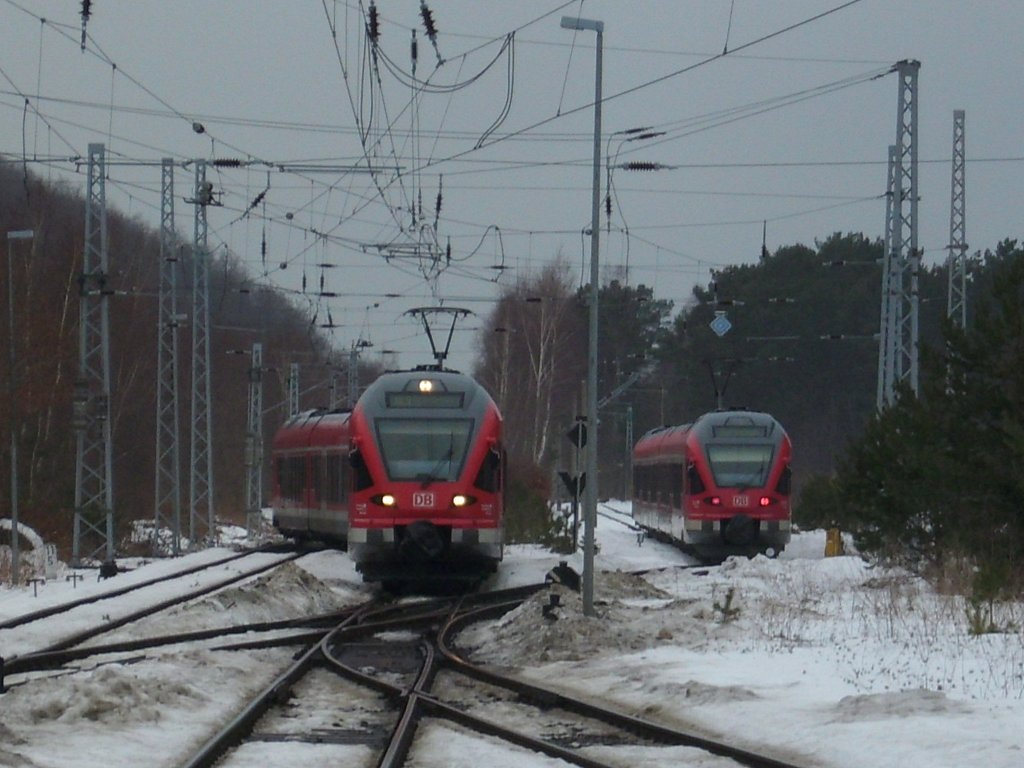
[790, 127]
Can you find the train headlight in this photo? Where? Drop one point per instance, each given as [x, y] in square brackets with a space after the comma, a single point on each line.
[764, 501]
[461, 500]
[384, 500]
[426, 385]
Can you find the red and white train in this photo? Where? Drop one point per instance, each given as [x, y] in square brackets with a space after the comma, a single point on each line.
[312, 477]
[719, 486]
[412, 479]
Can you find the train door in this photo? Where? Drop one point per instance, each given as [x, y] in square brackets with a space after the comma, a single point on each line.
[678, 498]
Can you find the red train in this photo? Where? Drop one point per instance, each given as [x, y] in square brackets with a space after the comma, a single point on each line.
[719, 486]
[420, 493]
[312, 477]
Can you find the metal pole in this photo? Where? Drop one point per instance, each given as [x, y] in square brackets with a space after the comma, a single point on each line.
[590, 491]
[21, 234]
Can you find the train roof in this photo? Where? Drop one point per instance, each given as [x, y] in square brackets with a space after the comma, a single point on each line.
[662, 441]
[318, 426]
[745, 425]
[425, 390]
[715, 425]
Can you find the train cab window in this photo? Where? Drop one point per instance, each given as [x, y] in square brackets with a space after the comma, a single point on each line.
[740, 466]
[361, 473]
[489, 476]
[785, 481]
[693, 482]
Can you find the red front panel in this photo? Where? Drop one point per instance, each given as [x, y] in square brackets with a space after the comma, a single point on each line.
[432, 501]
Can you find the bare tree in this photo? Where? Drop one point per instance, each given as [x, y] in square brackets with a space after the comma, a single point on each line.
[530, 358]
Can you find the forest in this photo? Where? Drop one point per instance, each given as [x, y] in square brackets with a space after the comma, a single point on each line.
[801, 344]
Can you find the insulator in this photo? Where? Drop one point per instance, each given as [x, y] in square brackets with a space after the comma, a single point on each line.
[608, 206]
[86, 9]
[642, 165]
[374, 25]
[448, 252]
[415, 49]
[428, 20]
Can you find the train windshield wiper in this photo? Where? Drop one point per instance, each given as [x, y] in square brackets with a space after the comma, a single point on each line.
[429, 477]
[754, 479]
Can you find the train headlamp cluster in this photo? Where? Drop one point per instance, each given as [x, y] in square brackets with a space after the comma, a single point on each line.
[763, 501]
[459, 500]
[426, 385]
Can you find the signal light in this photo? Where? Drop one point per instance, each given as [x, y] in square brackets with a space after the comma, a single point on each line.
[715, 501]
[764, 501]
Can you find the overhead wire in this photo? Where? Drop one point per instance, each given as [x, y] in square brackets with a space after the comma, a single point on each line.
[329, 187]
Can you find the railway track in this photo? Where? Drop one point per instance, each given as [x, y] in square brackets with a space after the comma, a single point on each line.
[29, 654]
[54, 610]
[387, 672]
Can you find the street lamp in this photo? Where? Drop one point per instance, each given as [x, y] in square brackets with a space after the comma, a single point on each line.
[17, 234]
[590, 490]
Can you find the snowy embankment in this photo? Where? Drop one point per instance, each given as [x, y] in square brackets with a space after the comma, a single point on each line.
[824, 661]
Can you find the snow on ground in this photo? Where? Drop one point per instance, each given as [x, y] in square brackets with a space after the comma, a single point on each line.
[823, 661]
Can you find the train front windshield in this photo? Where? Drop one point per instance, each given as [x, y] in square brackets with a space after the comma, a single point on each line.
[740, 466]
[424, 449]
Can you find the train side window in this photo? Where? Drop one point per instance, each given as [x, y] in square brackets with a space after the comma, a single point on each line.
[361, 472]
[316, 478]
[282, 477]
[291, 477]
[677, 484]
[336, 479]
[693, 481]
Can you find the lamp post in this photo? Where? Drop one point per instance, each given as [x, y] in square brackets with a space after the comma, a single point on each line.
[18, 234]
[590, 490]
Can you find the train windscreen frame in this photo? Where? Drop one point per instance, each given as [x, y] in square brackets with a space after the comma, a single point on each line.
[424, 450]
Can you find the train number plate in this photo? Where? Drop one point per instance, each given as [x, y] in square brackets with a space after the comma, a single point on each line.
[741, 501]
[422, 499]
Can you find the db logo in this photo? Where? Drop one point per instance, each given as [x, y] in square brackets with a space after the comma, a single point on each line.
[741, 501]
[423, 499]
